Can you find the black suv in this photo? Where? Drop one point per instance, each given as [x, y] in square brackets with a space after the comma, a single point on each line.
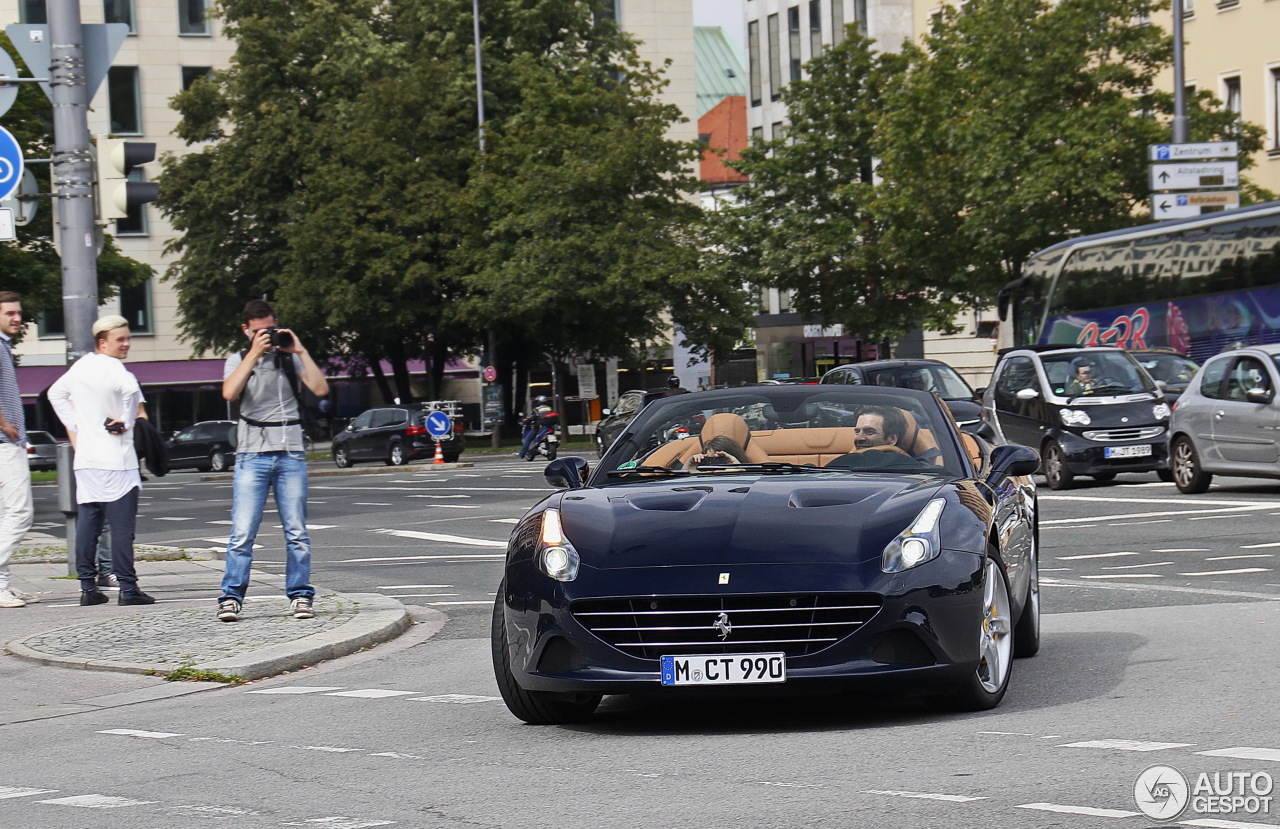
[927, 375]
[394, 436]
[1090, 411]
[208, 445]
[615, 420]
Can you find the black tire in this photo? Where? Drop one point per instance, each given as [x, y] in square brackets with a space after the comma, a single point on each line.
[1026, 634]
[1104, 477]
[218, 461]
[551, 453]
[342, 458]
[452, 458]
[534, 707]
[1165, 475]
[395, 454]
[1054, 465]
[974, 694]
[1184, 461]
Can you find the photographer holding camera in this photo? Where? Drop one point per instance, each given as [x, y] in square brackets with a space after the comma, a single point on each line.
[99, 400]
[269, 455]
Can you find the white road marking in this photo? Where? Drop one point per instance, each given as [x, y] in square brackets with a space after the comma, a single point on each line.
[369, 504]
[218, 810]
[1125, 745]
[298, 689]
[173, 518]
[395, 755]
[407, 559]
[97, 801]
[952, 798]
[1008, 733]
[1217, 823]
[1077, 810]
[1135, 566]
[415, 587]
[1229, 572]
[424, 595]
[133, 732]
[459, 603]
[220, 521]
[1245, 753]
[1259, 546]
[459, 699]
[504, 520]
[447, 539]
[1094, 555]
[1127, 576]
[1183, 550]
[1228, 558]
[1135, 523]
[449, 506]
[331, 749]
[1056, 569]
[371, 693]
[1204, 501]
[439, 496]
[17, 791]
[541, 489]
[311, 526]
[1211, 518]
[341, 822]
[1228, 512]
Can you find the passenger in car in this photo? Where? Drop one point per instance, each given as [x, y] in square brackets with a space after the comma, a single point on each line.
[717, 451]
[876, 435]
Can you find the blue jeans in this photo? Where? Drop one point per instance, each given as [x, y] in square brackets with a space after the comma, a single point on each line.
[286, 473]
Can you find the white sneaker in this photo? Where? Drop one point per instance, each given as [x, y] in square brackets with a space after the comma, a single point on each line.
[8, 599]
[302, 608]
[26, 597]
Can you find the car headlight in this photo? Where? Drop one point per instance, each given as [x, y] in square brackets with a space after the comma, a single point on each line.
[1160, 411]
[1074, 417]
[916, 544]
[556, 556]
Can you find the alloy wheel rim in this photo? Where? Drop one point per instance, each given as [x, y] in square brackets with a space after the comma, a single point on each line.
[1183, 468]
[995, 642]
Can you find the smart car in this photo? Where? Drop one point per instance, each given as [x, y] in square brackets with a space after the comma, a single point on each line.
[811, 564]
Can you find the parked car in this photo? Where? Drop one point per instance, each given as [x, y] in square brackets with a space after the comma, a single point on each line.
[209, 445]
[1227, 420]
[42, 451]
[1118, 424]
[615, 420]
[913, 566]
[1167, 367]
[394, 435]
[928, 375]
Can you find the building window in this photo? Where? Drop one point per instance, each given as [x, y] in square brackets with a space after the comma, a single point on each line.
[860, 16]
[33, 11]
[1231, 95]
[753, 60]
[837, 22]
[135, 224]
[1275, 109]
[119, 11]
[1227, 4]
[778, 131]
[191, 74]
[52, 323]
[775, 58]
[1188, 8]
[793, 42]
[124, 100]
[757, 135]
[815, 28]
[191, 18]
[135, 306]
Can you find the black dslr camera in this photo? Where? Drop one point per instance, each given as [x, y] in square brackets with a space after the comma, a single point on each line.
[279, 338]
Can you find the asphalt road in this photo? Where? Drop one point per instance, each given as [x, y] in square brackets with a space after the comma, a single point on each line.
[1160, 647]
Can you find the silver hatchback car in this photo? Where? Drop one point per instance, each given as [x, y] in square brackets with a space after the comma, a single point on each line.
[1227, 422]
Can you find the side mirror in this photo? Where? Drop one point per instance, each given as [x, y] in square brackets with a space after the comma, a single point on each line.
[567, 473]
[977, 394]
[1027, 394]
[1162, 385]
[1263, 396]
[1012, 460]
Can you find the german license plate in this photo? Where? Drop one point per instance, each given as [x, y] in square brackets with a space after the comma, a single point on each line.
[1142, 451]
[724, 669]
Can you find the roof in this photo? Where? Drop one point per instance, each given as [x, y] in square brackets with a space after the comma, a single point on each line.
[718, 67]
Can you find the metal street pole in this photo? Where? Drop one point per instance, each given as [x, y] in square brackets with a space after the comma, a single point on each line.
[495, 430]
[73, 176]
[1179, 78]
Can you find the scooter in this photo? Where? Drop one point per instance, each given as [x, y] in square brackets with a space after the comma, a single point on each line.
[546, 444]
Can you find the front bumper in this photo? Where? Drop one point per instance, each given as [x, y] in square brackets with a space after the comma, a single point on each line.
[925, 633]
[1088, 457]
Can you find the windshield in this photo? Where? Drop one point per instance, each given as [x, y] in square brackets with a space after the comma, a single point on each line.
[1173, 369]
[775, 430]
[1095, 374]
[941, 380]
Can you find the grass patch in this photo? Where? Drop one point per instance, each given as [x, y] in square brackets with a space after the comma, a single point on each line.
[189, 674]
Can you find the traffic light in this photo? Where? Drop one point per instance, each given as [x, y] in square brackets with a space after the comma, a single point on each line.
[115, 193]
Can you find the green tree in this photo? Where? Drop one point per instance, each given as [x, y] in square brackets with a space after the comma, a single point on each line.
[1021, 123]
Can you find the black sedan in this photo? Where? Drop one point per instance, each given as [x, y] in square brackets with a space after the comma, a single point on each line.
[208, 446]
[771, 551]
[928, 375]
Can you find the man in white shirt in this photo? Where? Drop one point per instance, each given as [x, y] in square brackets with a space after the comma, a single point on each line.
[98, 400]
[15, 472]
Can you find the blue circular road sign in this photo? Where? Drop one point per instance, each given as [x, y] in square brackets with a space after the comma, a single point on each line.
[10, 164]
[439, 424]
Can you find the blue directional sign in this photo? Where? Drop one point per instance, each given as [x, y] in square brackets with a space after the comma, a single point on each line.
[439, 425]
[10, 164]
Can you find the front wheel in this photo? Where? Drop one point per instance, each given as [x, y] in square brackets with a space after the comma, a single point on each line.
[1188, 476]
[1026, 635]
[984, 689]
[218, 461]
[1056, 473]
[341, 457]
[551, 452]
[395, 454]
[534, 707]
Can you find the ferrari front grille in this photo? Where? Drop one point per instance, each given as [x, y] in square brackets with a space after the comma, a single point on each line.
[794, 623]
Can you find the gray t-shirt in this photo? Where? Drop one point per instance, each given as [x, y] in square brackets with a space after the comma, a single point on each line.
[267, 398]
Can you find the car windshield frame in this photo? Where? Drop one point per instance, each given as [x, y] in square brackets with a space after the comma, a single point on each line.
[1118, 372]
[1161, 361]
[771, 409]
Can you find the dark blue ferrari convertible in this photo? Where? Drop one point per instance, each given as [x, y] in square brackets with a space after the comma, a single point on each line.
[787, 538]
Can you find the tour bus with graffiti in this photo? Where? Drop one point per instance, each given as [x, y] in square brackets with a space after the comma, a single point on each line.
[1198, 286]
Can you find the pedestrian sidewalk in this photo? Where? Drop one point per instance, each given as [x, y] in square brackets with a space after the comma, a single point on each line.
[181, 631]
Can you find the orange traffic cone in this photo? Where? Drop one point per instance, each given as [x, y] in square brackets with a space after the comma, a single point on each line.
[439, 454]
